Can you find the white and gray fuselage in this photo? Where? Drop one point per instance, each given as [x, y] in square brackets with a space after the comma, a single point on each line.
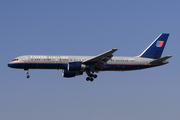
[61, 62]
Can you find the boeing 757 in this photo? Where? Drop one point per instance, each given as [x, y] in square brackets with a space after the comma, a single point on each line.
[76, 65]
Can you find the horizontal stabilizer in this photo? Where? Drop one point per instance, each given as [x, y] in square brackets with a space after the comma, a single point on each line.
[160, 60]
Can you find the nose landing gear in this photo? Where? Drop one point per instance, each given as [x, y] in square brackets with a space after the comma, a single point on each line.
[27, 72]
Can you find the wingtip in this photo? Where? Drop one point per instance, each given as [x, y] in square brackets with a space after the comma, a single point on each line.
[169, 56]
[115, 49]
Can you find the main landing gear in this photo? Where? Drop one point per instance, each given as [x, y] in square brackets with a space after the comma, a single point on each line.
[91, 76]
[27, 72]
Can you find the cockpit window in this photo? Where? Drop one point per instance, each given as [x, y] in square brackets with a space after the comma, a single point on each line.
[15, 60]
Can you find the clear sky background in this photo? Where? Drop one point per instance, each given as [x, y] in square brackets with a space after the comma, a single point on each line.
[81, 27]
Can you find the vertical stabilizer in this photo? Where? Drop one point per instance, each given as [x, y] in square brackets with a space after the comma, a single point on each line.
[155, 49]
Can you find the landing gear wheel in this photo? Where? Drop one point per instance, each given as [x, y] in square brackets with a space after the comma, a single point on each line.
[87, 78]
[95, 76]
[91, 79]
[28, 76]
[91, 75]
[27, 72]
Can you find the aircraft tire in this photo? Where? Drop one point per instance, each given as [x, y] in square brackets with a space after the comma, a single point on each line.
[95, 76]
[91, 79]
[28, 76]
[87, 79]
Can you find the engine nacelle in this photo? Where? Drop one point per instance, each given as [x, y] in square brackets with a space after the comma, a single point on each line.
[76, 66]
[66, 73]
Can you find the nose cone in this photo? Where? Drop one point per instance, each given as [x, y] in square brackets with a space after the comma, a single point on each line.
[10, 65]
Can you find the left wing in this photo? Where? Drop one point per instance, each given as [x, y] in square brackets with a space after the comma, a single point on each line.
[99, 60]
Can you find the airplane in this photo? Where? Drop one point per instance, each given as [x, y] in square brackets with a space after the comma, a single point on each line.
[76, 65]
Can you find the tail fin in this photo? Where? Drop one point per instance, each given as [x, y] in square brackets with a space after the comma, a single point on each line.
[155, 49]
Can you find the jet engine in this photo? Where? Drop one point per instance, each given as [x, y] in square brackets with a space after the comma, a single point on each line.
[66, 73]
[76, 66]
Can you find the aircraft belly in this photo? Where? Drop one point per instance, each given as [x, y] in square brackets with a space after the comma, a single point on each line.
[124, 67]
[39, 66]
[47, 66]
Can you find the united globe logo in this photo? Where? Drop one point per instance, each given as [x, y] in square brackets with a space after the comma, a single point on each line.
[159, 43]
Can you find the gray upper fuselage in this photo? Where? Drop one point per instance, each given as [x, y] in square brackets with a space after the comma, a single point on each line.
[67, 59]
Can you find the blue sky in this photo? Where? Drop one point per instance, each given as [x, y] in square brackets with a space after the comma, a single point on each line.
[80, 27]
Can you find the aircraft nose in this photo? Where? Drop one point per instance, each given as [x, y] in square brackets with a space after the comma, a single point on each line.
[10, 65]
